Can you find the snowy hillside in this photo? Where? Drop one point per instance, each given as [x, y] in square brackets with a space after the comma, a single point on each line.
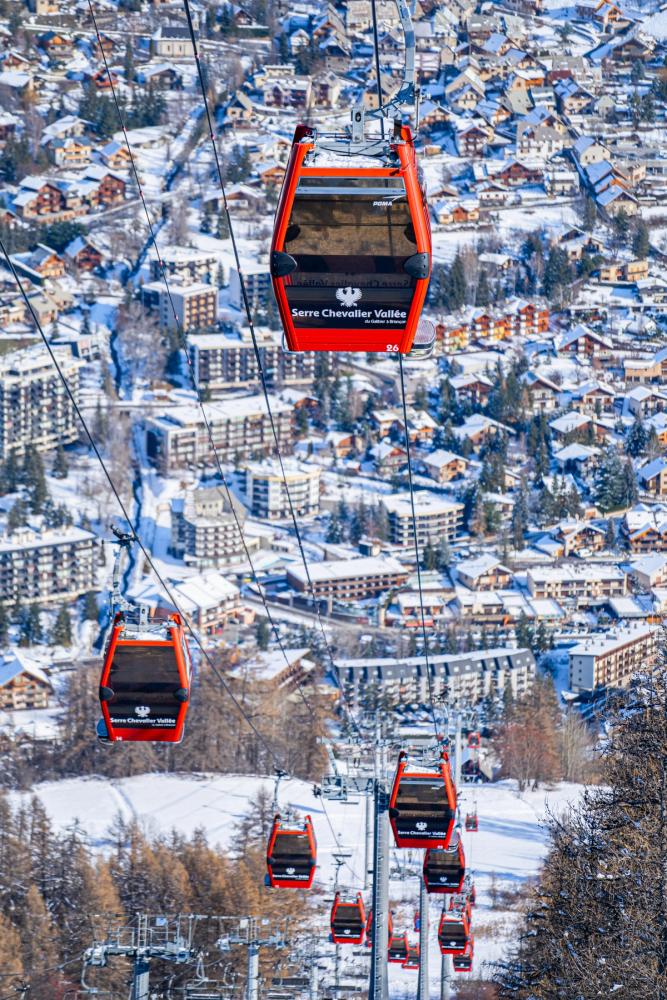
[510, 844]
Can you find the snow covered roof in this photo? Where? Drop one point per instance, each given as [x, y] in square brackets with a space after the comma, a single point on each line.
[14, 663]
[606, 642]
[342, 569]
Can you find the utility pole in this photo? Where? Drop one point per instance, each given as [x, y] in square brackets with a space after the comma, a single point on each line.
[368, 841]
[314, 972]
[379, 986]
[457, 752]
[444, 978]
[140, 979]
[422, 981]
[252, 986]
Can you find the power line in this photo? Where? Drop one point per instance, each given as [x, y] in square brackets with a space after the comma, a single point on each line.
[135, 535]
[258, 359]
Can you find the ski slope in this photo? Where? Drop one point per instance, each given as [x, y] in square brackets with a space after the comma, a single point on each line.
[507, 850]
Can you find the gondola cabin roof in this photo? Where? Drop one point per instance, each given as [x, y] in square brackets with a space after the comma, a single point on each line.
[145, 683]
[422, 807]
[351, 252]
[291, 855]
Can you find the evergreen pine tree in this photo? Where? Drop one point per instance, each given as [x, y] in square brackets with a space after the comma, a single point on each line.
[609, 482]
[519, 518]
[90, 609]
[17, 516]
[262, 634]
[640, 240]
[483, 295]
[60, 467]
[590, 214]
[4, 625]
[62, 629]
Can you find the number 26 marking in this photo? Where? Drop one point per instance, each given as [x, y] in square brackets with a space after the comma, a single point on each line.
[392, 348]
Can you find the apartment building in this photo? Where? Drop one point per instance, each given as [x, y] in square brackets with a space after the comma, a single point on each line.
[466, 678]
[224, 361]
[184, 263]
[195, 304]
[582, 584]
[48, 567]
[349, 580]
[34, 407]
[208, 599]
[177, 438]
[268, 497]
[611, 658]
[436, 518]
[257, 281]
[204, 530]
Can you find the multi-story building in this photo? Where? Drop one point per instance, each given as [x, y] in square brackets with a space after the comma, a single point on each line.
[178, 437]
[349, 580]
[267, 495]
[611, 658]
[223, 361]
[582, 584]
[48, 567]
[257, 281]
[23, 684]
[172, 41]
[184, 263]
[34, 407]
[463, 677]
[436, 518]
[195, 304]
[204, 530]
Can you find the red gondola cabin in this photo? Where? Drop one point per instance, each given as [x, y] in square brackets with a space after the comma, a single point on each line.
[351, 250]
[291, 856]
[463, 962]
[453, 932]
[472, 822]
[348, 921]
[444, 870]
[412, 959]
[145, 683]
[398, 949]
[422, 807]
[474, 741]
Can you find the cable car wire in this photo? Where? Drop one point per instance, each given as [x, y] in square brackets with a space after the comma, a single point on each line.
[195, 383]
[193, 376]
[416, 540]
[135, 535]
[258, 358]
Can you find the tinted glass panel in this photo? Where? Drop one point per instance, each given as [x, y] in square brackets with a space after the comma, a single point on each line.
[291, 845]
[424, 793]
[144, 680]
[348, 918]
[350, 238]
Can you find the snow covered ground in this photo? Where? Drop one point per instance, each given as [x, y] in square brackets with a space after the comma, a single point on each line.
[507, 850]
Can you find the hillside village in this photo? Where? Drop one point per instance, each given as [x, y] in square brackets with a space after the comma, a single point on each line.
[537, 429]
